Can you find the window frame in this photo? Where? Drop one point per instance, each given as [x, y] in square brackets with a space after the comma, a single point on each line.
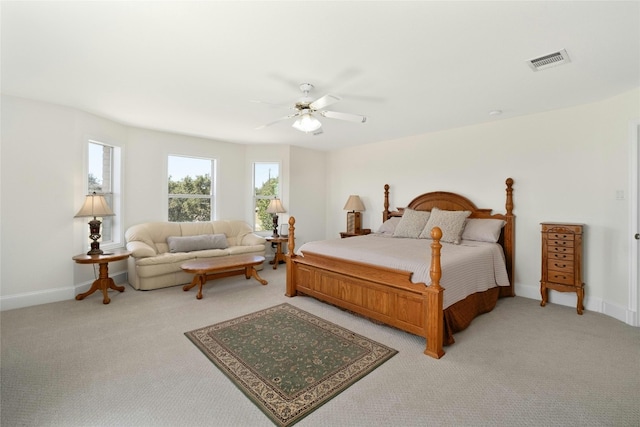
[212, 197]
[117, 234]
[255, 197]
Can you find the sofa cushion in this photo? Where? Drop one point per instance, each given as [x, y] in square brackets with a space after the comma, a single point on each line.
[162, 264]
[237, 250]
[140, 249]
[166, 259]
[234, 230]
[197, 228]
[212, 253]
[196, 243]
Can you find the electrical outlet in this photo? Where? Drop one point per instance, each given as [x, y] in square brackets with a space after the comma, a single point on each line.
[619, 194]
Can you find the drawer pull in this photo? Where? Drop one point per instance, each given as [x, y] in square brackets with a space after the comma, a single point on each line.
[560, 266]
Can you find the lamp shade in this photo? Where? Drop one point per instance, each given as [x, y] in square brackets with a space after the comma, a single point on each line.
[354, 204]
[94, 205]
[307, 123]
[275, 206]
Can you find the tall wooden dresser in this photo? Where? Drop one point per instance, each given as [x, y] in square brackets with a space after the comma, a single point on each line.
[562, 260]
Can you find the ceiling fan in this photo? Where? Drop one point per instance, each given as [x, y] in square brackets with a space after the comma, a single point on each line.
[306, 110]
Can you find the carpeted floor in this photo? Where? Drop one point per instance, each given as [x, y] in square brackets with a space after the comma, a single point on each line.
[82, 363]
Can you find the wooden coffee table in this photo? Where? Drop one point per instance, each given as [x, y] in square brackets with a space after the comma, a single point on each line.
[224, 266]
[103, 282]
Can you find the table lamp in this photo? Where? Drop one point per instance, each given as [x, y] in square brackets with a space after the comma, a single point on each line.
[355, 205]
[96, 206]
[274, 208]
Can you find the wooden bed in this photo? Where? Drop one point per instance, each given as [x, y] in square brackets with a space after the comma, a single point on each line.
[387, 295]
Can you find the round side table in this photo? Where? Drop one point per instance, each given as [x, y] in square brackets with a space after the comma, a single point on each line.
[103, 282]
[279, 257]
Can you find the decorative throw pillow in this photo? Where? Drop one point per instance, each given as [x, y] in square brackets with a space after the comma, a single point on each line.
[482, 230]
[450, 222]
[411, 223]
[197, 243]
[389, 226]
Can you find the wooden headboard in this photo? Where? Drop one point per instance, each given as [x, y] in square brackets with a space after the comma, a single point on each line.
[455, 202]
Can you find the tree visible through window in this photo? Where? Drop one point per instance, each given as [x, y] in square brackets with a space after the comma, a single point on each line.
[266, 184]
[191, 190]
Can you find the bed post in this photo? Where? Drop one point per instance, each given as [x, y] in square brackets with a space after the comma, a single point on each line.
[291, 289]
[385, 213]
[434, 294]
[509, 236]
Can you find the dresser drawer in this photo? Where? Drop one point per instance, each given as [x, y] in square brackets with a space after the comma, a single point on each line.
[561, 277]
[560, 254]
[559, 250]
[560, 236]
[560, 243]
[560, 266]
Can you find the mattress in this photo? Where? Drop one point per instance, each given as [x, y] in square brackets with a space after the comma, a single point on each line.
[467, 268]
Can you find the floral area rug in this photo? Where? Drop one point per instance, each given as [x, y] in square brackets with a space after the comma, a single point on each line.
[287, 361]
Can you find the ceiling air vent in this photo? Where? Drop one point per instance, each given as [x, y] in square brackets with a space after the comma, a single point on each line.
[550, 60]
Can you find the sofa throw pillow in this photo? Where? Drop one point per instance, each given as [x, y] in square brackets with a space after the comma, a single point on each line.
[411, 223]
[482, 230]
[196, 243]
[450, 222]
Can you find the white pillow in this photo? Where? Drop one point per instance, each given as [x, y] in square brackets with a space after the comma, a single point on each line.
[450, 222]
[482, 230]
[389, 226]
[411, 224]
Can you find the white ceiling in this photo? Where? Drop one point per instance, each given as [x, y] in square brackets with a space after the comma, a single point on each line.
[410, 67]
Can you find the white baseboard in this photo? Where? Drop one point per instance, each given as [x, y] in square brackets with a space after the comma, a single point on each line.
[29, 299]
[569, 299]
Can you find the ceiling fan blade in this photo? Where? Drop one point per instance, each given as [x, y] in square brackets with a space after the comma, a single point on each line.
[324, 101]
[290, 116]
[343, 116]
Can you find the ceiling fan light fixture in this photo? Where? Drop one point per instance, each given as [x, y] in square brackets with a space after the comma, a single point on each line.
[307, 123]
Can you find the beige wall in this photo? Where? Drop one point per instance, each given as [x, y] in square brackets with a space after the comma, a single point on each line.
[567, 165]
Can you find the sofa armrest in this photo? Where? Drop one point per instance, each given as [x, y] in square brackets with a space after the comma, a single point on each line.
[140, 249]
[251, 239]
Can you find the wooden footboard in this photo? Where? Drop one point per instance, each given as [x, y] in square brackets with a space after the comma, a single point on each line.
[379, 293]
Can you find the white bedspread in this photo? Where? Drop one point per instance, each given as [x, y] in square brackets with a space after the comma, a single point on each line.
[467, 268]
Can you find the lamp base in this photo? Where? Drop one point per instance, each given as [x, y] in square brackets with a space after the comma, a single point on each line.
[94, 234]
[95, 249]
[275, 226]
[353, 222]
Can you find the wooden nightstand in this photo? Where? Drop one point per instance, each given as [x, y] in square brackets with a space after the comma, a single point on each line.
[362, 232]
[562, 260]
[279, 257]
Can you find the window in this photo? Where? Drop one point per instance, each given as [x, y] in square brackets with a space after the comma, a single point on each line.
[266, 184]
[103, 177]
[191, 189]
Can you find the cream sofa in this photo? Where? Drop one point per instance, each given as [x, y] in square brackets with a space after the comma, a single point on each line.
[152, 263]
